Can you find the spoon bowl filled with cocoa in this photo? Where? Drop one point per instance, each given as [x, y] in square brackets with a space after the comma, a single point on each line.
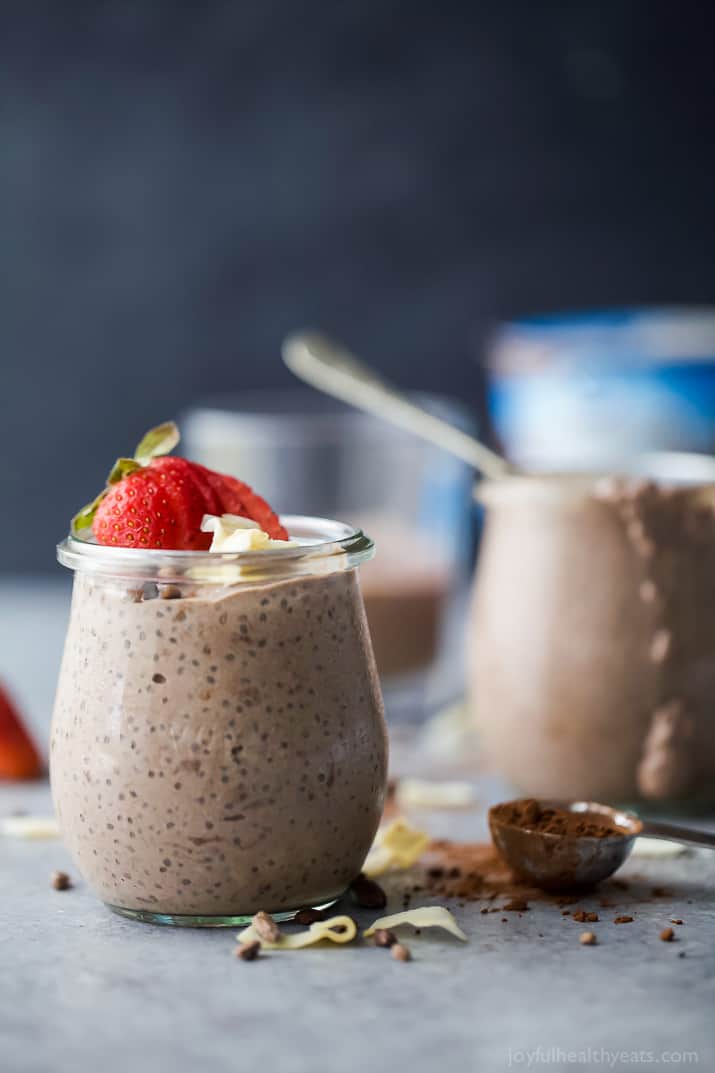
[563, 845]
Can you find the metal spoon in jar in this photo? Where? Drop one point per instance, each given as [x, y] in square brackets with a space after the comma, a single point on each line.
[332, 369]
[555, 861]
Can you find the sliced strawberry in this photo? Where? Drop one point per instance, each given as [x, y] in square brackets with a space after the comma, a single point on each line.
[19, 758]
[189, 495]
[239, 498]
[197, 473]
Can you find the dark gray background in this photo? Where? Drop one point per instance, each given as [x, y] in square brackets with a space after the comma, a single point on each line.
[182, 184]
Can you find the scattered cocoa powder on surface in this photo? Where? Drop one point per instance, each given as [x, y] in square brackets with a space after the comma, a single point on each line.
[581, 916]
[667, 935]
[530, 815]
[472, 871]
[623, 920]
[676, 920]
[516, 905]
[475, 871]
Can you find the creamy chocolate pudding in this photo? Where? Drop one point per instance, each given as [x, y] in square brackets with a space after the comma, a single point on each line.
[591, 649]
[218, 749]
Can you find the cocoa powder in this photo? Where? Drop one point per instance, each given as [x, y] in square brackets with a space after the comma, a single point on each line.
[531, 815]
[475, 872]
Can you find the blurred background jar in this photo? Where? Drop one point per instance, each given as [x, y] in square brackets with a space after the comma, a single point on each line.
[590, 651]
[310, 455]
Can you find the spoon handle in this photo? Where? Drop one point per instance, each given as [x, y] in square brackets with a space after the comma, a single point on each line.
[673, 833]
[331, 368]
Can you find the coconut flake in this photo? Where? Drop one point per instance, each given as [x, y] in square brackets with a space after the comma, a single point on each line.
[426, 916]
[30, 827]
[340, 929]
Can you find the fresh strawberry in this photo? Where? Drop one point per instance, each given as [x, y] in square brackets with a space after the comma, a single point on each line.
[154, 501]
[160, 506]
[239, 498]
[19, 758]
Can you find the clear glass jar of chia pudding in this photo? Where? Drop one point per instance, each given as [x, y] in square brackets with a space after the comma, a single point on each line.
[218, 741]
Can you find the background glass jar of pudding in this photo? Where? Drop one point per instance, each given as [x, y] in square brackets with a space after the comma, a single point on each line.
[218, 742]
[591, 642]
[311, 453]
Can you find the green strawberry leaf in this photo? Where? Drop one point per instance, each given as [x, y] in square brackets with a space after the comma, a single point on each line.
[83, 518]
[121, 469]
[158, 441]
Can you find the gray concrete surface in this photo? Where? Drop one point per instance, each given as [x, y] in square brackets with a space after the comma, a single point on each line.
[82, 989]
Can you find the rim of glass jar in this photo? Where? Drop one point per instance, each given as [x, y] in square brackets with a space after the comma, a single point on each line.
[324, 546]
[687, 473]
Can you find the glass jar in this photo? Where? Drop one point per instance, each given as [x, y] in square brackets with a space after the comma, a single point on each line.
[591, 641]
[218, 741]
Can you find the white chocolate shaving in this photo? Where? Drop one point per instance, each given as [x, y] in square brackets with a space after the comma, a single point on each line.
[33, 827]
[231, 532]
[397, 846]
[426, 916]
[337, 929]
[422, 793]
[657, 847]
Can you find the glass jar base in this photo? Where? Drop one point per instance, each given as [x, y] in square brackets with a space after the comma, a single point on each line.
[199, 920]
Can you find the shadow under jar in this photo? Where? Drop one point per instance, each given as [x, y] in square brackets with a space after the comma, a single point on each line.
[591, 642]
[218, 740]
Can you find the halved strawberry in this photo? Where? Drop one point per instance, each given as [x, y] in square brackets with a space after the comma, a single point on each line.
[19, 757]
[158, 502]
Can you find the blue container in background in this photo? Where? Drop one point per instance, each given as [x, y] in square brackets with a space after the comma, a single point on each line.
[587, 390]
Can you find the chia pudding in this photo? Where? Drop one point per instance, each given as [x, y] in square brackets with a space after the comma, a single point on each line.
[218, 748]
[591, 652]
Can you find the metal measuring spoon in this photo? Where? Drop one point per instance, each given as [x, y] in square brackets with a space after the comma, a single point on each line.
[328, 366]
[564, 861]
